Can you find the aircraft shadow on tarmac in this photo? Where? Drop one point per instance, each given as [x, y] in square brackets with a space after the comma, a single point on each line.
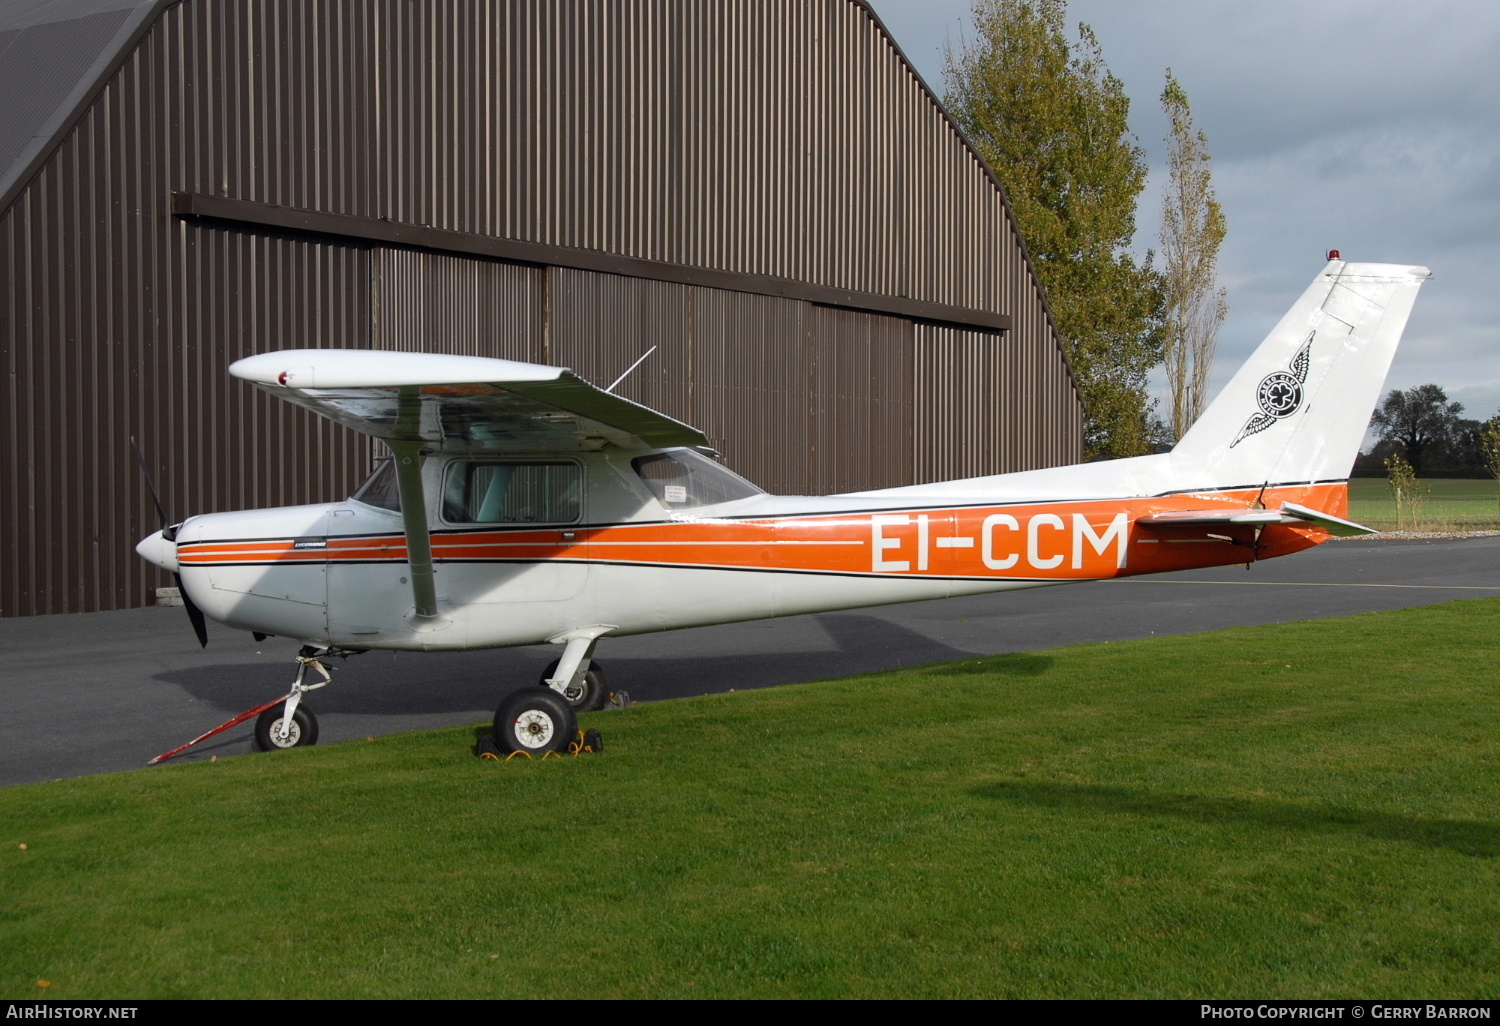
[405, 683]
[1472, 838]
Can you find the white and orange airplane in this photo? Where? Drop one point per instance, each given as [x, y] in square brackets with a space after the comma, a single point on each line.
[523, 505]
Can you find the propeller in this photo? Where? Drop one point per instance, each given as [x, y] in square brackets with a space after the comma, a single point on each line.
[200, 624]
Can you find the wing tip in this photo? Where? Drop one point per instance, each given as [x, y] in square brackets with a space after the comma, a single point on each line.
[383, 368]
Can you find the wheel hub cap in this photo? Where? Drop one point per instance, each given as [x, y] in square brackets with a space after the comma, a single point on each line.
[285, 733]
[534, 728]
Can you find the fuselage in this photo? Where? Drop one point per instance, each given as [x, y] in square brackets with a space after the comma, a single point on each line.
[525, 548]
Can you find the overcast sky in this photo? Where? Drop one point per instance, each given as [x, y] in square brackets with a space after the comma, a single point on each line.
[1367, 126]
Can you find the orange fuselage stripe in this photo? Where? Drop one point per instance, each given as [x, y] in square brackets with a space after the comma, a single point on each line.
[1052, 541]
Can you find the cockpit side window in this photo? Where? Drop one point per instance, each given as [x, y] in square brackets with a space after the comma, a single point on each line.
[513, 493]
[683, 479]
[380, 489]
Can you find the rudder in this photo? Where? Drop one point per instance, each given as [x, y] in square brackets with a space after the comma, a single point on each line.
[1298, 409]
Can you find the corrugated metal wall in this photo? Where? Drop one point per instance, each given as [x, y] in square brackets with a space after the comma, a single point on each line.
[602, 323]
[442, 303]
[801, 398]
[137, 346]
[778, 137]
[966, 389]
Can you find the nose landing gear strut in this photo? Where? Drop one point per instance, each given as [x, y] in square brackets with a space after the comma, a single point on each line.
[284, 722]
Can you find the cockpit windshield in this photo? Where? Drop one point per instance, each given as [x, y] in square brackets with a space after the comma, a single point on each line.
[684, 479]
[380, 489]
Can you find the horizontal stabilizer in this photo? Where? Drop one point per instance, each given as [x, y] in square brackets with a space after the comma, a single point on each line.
[1327, 521]
[1290, 513]
[1219, 517]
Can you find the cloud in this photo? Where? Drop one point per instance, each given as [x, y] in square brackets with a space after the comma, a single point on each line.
[1362, 125]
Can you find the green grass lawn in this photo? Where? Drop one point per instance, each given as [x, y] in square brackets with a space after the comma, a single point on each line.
[1305, 810]
[1453, 505]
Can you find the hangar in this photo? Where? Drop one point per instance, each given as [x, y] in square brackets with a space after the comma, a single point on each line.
[765, 190]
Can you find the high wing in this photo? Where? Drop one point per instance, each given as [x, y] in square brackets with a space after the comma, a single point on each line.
[461, 401]
[415, 400]
[1290, 513]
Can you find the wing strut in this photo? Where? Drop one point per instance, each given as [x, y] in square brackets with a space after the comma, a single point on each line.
[414, 519]
[407, 449]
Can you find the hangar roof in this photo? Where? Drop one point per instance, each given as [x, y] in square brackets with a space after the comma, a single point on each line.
[54, 55]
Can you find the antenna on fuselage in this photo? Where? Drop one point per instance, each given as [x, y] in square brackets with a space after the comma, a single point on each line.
[631, 369]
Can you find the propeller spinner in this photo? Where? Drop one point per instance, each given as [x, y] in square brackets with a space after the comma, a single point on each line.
[161, 549]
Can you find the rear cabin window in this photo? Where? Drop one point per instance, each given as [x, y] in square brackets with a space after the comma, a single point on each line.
[513, 493]
[683, 479]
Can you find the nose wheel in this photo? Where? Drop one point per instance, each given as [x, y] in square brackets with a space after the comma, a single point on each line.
[273, 731]
[280, 723]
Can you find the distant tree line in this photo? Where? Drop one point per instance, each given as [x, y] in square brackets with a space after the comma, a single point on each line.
[1429, 431]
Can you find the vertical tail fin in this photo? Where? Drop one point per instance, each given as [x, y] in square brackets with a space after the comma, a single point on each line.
[1298, 409]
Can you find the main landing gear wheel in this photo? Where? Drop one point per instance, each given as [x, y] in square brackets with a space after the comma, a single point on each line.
[303, 732]
[535, 721]
[589, 695]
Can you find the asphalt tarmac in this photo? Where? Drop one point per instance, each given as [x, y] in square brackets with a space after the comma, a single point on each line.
[104, 692]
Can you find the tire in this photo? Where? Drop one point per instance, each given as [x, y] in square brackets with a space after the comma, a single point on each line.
[304, 729]
[590, 696]
[535, 721]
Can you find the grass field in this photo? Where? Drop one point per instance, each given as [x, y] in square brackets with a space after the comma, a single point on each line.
[1452, 505]
[1305, 810]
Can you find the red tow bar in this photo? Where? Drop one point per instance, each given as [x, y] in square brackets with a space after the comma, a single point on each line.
[241, 718]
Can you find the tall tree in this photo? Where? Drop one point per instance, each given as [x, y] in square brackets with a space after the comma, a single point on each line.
[1489, 445]
[1420, 420]
[1192, 227]
[1052, 122]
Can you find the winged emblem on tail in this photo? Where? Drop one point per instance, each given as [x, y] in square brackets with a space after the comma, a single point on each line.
[1279, 394]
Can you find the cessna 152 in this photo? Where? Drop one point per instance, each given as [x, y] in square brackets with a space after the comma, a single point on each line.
[523, 505]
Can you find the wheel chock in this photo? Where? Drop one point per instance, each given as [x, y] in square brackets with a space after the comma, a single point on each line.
[586, 741]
